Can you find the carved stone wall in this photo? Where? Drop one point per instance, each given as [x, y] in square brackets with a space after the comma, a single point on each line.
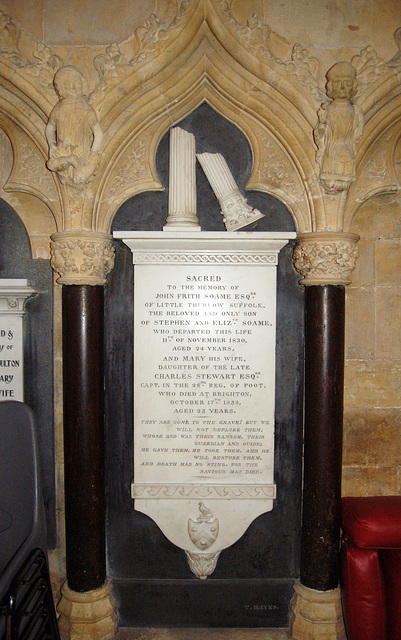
[372, 448]
[265, 72]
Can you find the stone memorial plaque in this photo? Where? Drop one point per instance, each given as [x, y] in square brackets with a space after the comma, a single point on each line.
[204, 385]
[13, 294]
[204, 375]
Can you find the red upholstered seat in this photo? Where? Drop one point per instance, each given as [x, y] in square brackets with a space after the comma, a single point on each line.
[373, 522]
[371, 567]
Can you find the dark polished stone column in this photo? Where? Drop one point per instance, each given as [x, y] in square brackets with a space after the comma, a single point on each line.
[324, 384]
[82, 259]
[84, 436]
[325, 260]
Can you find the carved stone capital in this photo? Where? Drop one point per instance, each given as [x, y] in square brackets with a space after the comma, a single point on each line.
[325, 257]
[82, 257]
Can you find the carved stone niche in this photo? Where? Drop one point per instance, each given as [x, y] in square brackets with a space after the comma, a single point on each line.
[204, 384]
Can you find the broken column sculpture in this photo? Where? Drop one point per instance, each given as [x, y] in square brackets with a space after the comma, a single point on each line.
[237, 213]
[182, 188]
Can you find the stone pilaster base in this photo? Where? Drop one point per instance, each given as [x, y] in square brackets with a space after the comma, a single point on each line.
[316, 615]
[87, 616]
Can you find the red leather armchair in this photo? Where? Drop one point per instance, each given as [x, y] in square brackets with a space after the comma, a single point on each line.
[371, 567]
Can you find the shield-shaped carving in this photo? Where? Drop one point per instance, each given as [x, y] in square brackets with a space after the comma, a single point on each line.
[203, 534]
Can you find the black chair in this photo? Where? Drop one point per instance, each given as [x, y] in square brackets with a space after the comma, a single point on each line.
[26, 601]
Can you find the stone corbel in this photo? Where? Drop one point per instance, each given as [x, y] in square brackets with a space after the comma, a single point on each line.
[325, 257]
[82, 257]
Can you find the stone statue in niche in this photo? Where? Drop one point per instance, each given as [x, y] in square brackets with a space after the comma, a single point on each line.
[73, 132]
[338, 130]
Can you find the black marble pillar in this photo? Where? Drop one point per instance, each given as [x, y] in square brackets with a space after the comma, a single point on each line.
[324, 390]
[84, 436]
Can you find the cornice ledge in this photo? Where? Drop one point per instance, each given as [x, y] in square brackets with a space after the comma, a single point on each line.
[82, 257]
[325, 257]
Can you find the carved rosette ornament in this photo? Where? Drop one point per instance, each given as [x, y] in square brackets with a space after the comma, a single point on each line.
[82, 257]
[325, 258]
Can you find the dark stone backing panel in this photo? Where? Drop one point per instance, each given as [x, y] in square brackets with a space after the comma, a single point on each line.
[252, 583]
[16, 262]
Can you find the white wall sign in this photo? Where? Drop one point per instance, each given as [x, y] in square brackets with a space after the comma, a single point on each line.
[13, 295]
